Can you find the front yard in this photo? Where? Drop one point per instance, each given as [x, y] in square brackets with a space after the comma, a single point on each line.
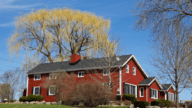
[45, 106]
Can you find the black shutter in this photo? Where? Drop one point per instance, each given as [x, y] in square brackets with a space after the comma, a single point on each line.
[133, 90]
[40, 90]
[48, 91]
[150, 92]
[32, 91]
[124, 88]
[111, 86]
[129, 89]
[168, 96]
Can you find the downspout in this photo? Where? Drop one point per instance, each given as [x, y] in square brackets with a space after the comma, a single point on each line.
[27, 85]
[120, 80]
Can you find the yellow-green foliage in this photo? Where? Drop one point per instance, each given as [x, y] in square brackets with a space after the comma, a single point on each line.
[46, 31]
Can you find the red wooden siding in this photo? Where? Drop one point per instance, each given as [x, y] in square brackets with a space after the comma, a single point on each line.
[154, 85]
[171, 90]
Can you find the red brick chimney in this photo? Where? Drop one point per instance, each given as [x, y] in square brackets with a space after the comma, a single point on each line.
[75, 58]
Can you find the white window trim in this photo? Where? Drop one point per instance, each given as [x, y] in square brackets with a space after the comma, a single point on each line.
[37, 79]
[140, 91]
[156, 94]
[105, 74]
[81, 72]
[127, 68]
[34, 90]
[135, 71]
[50, 78]
[49, 90]
[135, 88]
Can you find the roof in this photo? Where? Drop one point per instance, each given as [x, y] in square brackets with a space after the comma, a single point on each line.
[148, 81]
[86, 64]
[166, 87]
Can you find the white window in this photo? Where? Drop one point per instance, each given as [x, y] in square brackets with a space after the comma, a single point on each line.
[105, 72]
[170, 96]
[52, 76]
[134, 71]
[80, 74]
[37, 77]
[154, 94]
[36, 90]
[141, 92]
[127, 68]
[52, 90]
[130, 89]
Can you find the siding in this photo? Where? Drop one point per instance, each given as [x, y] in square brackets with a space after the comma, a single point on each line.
[154, 85]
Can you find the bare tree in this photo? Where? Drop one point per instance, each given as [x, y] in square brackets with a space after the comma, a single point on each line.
[173, 57]
[5, 92]
[61, 90]
[11, 78]
[170, 21]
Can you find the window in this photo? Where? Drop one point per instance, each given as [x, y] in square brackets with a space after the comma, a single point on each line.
[36, 90]
[105, 72]
[170, 96]
[141, 92]
[52, 90]
[154, 93]
[80, 74]
[127, 68]
[130, 89]
[52, 76]
[134, 71]
[37, 77]
[110, 86]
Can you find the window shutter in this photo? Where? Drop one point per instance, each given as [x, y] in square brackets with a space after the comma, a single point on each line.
[124, 88]
[111, 86]
[150, 92]
[40, 90]
[157, 94]
[32, 91]
[134, 90]
[168, 96]
[48, 91]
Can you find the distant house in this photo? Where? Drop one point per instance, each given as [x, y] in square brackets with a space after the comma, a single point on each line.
[131, 77]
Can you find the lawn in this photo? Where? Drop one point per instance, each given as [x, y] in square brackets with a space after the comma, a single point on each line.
[44, 106]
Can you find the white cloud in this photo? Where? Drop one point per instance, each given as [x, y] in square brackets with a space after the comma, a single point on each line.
[7, 24]
[10, 4]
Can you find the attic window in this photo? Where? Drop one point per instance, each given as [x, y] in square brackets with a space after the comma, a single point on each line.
[37, 77]
[127, 68]
[105, 72]
[134, 71]
[80, 74]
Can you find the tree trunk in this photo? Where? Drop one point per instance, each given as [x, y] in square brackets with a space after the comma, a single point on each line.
[176, 84]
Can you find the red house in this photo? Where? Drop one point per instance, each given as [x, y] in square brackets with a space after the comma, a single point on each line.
[131, 77]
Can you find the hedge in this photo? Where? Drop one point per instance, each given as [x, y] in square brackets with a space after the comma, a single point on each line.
[30, 98]
[158, 101]
[141, 104]
[130, 97]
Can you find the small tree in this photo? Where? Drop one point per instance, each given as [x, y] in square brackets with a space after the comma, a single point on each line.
[63, 83]
[91, 94]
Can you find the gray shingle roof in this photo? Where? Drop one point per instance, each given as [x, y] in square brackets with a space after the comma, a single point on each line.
[147, 81]
[81, 65]
[165, 86]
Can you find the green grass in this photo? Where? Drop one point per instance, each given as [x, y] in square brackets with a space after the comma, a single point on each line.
[46, 106]
[32, 106]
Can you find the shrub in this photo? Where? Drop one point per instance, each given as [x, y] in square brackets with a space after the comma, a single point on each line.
[141, 104]
[118, 102]
[158, 101]
[172, 105]
[23, 99]
[130, 97]
[31, 98]
[127, 103]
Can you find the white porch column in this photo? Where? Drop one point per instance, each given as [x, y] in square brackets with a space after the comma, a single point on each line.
[120, 80]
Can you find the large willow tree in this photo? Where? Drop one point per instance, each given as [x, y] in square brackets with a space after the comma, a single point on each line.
[53, 35]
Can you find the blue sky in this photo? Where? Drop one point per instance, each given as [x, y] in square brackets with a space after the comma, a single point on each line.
[118, 11]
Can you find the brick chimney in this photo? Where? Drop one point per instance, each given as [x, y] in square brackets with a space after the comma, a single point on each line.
[75, 58]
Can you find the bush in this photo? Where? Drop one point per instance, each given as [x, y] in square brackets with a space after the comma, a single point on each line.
[23, 99]
[141, 104]
[127, 103]
[31, 97]
[118, 102]
[172, 105]
[130, 97]
[158, 101]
